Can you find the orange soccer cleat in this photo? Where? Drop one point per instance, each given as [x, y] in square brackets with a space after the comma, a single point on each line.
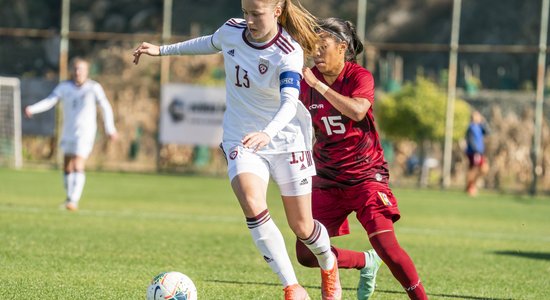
[70, 206]
[295, 292]
[330, 283]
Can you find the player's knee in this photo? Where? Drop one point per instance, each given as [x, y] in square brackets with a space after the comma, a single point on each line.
[300, 230]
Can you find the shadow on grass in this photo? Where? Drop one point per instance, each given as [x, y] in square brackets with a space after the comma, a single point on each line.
[353, 290]
[531, 255]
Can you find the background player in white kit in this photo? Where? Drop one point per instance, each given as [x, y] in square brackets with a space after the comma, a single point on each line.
[267, 130]
[79, 97]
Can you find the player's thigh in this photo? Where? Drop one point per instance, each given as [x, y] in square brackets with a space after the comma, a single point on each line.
[377, 201]
[249, 176]
[251, 192]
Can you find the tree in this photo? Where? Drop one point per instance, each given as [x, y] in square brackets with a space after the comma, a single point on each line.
[417, 113]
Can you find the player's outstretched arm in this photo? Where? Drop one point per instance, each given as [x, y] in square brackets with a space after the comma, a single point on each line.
[42, 105]
[145, 48]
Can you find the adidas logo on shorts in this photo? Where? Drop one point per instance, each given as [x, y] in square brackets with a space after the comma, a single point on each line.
[303, 167]
[304, 181]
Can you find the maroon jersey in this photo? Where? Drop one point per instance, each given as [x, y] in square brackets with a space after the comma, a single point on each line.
[346, 152]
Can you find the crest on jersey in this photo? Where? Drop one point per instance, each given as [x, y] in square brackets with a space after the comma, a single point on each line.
[233, 154]
[263, 65]
[384, 199]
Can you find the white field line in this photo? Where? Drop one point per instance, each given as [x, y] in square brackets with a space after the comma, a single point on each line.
[125, 214]
[478, 235]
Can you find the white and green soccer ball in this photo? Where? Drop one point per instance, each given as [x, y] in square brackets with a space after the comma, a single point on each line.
[171, 286]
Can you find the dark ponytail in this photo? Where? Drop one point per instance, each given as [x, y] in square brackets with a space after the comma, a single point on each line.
[355, 43]
[344, 31]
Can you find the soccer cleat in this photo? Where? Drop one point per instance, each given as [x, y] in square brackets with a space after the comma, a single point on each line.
[330, 283]
[471, 189]
[295, 292]
[367, 277]
[71, 206]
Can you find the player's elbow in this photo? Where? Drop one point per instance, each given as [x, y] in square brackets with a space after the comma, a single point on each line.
[357, 116]
[359, 110]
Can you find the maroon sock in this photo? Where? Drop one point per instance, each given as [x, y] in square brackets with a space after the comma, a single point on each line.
[305, 257]
[399, 263]
[347, 259]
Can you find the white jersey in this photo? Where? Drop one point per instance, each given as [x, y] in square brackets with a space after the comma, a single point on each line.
[253, 87]
[79, 109]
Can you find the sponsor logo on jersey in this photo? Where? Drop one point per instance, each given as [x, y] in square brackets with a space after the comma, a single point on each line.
[304, 181]
[231, 52]
[316, 106]
[384, 199]
[233, 154]
[263, 65]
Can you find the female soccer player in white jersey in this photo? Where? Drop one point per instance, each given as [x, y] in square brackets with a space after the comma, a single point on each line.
[79, 96]
[267, 131]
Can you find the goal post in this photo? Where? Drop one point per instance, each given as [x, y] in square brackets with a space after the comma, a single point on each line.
[10, 123]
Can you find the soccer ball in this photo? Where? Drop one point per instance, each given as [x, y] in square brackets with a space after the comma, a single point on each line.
[171, 286]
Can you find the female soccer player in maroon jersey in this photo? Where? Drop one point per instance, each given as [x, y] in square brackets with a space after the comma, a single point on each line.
[352, 175]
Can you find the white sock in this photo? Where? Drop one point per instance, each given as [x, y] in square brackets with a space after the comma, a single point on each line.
[68, 182]
[78, 186]
[319, 243]
[270, 242]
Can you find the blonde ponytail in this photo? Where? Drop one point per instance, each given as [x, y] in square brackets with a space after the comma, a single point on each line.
[300, 24]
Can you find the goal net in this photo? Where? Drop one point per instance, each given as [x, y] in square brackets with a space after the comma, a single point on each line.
[10, 123]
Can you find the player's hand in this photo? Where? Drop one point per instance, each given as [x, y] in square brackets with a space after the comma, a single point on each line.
[145, 48]
[113, 137]
[256, 140]
[28, 112]
[310, 78]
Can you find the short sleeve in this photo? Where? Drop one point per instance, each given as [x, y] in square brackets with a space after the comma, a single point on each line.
[293, 62]
[363, 85]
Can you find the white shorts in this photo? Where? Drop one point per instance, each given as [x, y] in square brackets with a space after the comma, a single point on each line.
[291, 171]
[80, 147]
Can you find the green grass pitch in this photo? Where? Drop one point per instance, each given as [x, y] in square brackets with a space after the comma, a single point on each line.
[133, 226]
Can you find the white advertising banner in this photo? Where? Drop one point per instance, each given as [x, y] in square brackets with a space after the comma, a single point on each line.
[191, 114]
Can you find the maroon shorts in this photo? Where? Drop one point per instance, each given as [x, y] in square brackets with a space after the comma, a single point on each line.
[476, 160]
[369, 201]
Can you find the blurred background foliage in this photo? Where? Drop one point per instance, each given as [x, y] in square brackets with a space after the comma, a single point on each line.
[411, 82]
[417, 112]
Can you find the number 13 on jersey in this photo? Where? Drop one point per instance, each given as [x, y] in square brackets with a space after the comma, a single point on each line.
[241, 82]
